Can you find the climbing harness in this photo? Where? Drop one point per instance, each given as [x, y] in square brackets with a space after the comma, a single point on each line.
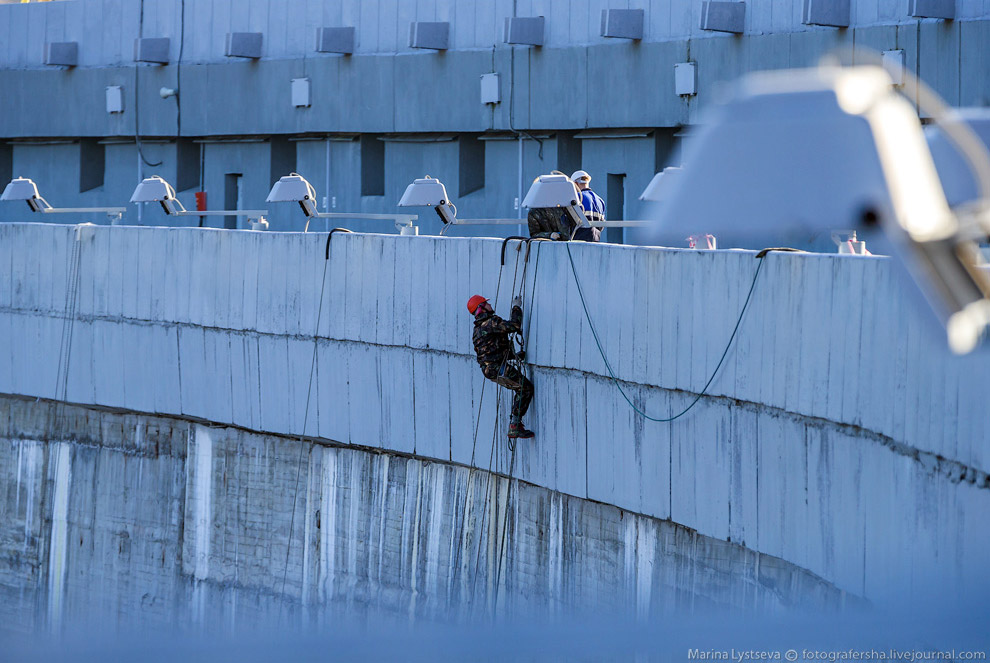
[504, 378]
[760, 256]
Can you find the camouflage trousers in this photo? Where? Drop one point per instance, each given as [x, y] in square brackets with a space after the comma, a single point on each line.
[521, 397]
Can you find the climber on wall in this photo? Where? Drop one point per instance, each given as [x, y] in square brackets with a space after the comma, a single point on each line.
[497, 356]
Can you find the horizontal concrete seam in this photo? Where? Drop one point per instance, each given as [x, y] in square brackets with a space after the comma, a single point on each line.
[956, 471]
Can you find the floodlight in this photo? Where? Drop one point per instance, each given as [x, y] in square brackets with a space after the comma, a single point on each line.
[155, 189]
[551, 191]
[23, 188]
[424, 192]
[430, 192]
[295, 188]
[556, 191]
[661, 185]
[805, 150]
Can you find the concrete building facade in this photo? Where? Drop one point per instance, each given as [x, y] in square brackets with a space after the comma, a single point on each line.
[389, 112]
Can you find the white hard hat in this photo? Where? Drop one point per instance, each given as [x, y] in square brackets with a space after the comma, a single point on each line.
[580, 175]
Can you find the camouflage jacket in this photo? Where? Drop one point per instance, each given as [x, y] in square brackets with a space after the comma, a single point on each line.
[491, 337]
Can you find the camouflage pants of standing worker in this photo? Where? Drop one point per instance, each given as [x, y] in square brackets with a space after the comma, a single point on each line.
[521, 397]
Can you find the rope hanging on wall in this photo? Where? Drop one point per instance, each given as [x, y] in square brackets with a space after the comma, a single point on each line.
[760, 256]
[55, 425]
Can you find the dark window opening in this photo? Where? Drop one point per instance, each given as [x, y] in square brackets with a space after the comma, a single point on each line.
[372, 166]
[92, 164]
[283, 158]
[615, 206]
[6, 163]
[187, 163]
[568, 152]
[665, 147]
[231, 198]
[471, 164]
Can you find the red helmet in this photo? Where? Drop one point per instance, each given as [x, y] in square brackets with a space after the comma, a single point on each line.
[474, 303]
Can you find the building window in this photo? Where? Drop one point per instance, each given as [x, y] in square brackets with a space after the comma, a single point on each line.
[231, 198]
[471, 164]
[372, 166]
[92, 164]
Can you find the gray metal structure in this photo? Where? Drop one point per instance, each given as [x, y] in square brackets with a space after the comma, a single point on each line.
[335, 40]
[151, 49]
[724, 17]
[525, 30]
[395, 113]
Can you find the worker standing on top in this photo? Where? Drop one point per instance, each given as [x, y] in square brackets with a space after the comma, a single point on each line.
[496, 353]
[594, 207]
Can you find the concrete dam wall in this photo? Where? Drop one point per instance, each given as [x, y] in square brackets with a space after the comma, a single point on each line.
[152, 521]
[158, 382]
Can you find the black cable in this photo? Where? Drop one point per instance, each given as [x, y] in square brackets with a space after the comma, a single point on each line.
[326, 253]
[302, 434]
[137, 100]
[704, 390]
[178, 71]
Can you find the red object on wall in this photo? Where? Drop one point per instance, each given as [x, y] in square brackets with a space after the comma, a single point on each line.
[200, 201]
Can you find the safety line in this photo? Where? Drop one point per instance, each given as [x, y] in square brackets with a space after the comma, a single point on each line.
[503, 542]
[611, 373]
[55, 426]
[302, 435]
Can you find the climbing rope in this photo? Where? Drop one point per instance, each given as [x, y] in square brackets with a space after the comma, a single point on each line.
[503, 543]
[309, 394]
[611, 373]
[70, 305]
[500, 515]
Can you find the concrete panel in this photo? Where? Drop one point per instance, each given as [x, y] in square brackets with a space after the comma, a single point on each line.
[423, 102]
[554, 99]
[649, 77]
[973, 85]
[938, 60]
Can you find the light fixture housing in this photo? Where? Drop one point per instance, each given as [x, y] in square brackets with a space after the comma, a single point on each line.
[661, 184]
[155, 189]
[430, 192]
[294, 188]
[424, 192]
[797, 153]
[22, 188]
[551, 191]
[556, 190]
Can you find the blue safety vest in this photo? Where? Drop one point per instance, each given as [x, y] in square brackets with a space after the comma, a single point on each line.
[594, 210]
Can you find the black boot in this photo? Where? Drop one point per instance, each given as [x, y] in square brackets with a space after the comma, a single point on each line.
[517, 430]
